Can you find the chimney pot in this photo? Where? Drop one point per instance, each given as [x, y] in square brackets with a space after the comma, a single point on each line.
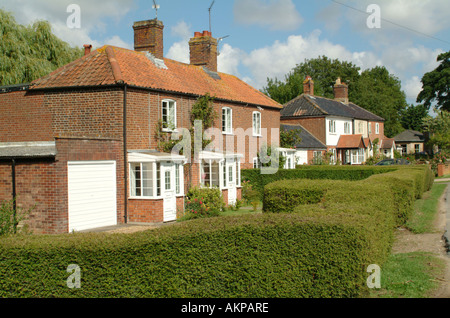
[203, 50]
[148, 37]
[341, 91]
[308, 86]
[87, 49]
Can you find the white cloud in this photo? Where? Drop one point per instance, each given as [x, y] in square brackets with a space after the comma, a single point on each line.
[412, 88]
[281, 57]
[179, 51]
[275, 14]
[93, 15]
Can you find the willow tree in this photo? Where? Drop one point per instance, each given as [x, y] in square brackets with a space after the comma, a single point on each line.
[30, 52]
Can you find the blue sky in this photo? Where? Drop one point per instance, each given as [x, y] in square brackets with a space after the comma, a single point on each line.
[267, 38]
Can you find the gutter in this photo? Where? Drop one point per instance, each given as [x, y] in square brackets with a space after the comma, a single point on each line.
[125, 153]
[14, 194]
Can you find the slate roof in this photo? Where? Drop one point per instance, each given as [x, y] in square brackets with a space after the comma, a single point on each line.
[110, 65]
[307, 105]
[27, 150]
[387, 143]
[410, 136]
[308, 140]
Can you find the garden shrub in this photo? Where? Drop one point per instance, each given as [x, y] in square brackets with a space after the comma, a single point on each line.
[203, 202]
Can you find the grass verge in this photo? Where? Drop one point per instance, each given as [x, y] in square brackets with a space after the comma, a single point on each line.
[409, 275]
[425, 210]
[415, 274]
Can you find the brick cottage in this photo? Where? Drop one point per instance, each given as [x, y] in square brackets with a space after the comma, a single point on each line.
[78, 146]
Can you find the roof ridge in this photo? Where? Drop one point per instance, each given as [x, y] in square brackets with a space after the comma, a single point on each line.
[117, 73]
[314, 104]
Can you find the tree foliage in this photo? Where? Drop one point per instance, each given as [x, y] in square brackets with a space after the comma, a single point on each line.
[439, 130]
[323, 71]
[30, 52]
[379, 92]
[413, 116]
[375, 89]
[436, 85]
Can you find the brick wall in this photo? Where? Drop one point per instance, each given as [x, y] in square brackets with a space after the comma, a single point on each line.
[144, 111]
[88, 113]
[24, 117]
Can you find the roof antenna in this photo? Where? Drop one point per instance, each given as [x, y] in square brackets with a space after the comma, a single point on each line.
[156, 7]
[210, 8]
[220, 40]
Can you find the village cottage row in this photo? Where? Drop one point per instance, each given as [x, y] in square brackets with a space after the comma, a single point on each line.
[78, 146]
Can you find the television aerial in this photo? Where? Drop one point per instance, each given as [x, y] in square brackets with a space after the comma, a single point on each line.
[209, 10]
[156, 7]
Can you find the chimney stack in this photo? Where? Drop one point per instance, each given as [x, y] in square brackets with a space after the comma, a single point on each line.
[87, 49]
[308, 86]
[203, 50]
[148, 37]
[341, 91]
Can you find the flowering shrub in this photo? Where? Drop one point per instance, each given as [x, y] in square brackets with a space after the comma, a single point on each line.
[203, 202]
[437, 159]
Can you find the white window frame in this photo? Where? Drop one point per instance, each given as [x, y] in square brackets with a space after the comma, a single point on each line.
[158, 181]
[210, 164]
[369, 129]
[377, 128]
[167, 103]
[333, 156]
[256, 163]
[227, 120]
[347, 128]
[332, 126]
[256, 124]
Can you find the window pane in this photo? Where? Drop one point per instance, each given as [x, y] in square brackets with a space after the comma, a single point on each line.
[206, 177]
[147, 180]
[215, 174]
[230, 173]
[177, 179]
[224, 174]
[167, 180]
[158, 179]
[136, 180]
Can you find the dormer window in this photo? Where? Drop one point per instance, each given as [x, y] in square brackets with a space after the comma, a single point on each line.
[169, 115]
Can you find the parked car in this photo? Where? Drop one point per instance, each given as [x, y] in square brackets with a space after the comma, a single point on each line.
[390, 162]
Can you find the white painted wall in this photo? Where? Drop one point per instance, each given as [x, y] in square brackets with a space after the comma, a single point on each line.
[332, 139]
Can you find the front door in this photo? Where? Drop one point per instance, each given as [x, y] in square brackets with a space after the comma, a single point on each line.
[231, 182]
[168, 192]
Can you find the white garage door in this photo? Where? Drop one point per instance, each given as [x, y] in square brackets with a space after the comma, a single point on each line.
[92, 195]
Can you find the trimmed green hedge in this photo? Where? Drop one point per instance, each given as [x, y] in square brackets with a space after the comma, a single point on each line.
[385, 200]
[323, 249]
[351, 173]
[252, 256]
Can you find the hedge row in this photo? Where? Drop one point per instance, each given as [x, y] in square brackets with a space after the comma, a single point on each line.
[351, 173]
[322, 250]
[252, 256]
[375, 205]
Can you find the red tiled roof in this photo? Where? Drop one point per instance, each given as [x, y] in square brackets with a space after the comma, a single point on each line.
[351, 141]
[110, 65]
